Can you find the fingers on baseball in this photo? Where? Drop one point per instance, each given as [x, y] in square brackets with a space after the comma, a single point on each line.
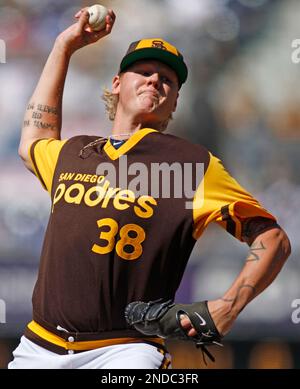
[110, 20]
[82, 19]
[80, 12]
[187, 325]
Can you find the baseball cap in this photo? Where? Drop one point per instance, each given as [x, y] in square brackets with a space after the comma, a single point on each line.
[159, 49]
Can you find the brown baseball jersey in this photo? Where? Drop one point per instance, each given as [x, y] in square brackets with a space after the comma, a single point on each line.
[108, 243]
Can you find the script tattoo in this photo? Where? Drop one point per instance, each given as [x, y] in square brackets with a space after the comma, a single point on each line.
[254, 252]
[44, 126]
[36, 115]
[47, 109]
[30, 106]
[40, 121]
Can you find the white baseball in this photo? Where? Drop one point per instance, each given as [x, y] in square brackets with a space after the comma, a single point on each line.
[97, 17]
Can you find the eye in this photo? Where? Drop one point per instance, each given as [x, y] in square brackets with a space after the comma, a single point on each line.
[146, 74]
[166, 80]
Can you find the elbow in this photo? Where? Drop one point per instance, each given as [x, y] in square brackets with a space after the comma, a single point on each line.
[22, 152]
[288, 247]
[24, 147]
[285, 244]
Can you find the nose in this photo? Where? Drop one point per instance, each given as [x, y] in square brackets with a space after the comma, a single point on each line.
[154, 80]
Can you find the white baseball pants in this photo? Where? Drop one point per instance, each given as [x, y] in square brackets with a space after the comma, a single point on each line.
[29, 355]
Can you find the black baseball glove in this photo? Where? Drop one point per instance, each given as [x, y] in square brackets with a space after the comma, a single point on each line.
[162, 318]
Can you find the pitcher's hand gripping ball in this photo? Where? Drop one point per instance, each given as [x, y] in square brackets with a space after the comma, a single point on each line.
[97, 17]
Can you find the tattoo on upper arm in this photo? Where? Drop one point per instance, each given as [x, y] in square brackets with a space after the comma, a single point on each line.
[30, 107]
[44, 125]
[37, 114]
[47, 109]
[255, 251]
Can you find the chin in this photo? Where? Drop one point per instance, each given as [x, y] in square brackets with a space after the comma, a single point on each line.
[148, 107]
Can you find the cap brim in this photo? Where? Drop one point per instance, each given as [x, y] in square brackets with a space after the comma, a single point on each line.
[166, 57]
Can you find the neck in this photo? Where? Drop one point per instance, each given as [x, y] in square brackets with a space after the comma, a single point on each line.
[121, 128]
[130, 125]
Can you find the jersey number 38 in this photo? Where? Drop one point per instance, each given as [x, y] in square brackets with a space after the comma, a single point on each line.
[133, 244]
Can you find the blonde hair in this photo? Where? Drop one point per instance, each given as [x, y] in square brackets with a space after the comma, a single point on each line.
[111, 103]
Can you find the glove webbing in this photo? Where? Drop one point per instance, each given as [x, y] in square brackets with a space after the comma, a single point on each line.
[199, 344]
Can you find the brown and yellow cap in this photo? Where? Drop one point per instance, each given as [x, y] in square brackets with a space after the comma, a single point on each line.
[159, 49]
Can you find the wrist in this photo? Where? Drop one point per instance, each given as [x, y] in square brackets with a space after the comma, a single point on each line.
[62, 48]
[228, 308]
[237, 298]
[223, 314]
[223, 307]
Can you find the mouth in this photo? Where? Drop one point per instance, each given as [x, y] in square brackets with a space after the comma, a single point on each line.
[151, 93]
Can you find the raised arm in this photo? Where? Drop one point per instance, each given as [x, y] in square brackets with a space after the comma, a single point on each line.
[43, 115]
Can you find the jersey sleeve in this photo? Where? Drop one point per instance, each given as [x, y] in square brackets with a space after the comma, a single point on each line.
[43, 155]
[221, 199]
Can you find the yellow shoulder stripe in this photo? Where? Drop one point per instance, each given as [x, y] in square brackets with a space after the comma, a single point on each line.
[43, 155]
[220, 198]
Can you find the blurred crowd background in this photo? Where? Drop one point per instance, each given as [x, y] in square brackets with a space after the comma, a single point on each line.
[241, 101]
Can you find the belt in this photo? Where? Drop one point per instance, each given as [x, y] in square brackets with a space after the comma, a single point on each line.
[68, 343]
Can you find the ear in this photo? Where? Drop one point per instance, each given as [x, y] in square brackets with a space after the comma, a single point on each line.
[116, 85]
[175, 104]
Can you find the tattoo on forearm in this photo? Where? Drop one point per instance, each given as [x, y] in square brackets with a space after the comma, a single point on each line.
[44, 126]
[254, 252]
[26, 123]
[47, 109]
[238, 293]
